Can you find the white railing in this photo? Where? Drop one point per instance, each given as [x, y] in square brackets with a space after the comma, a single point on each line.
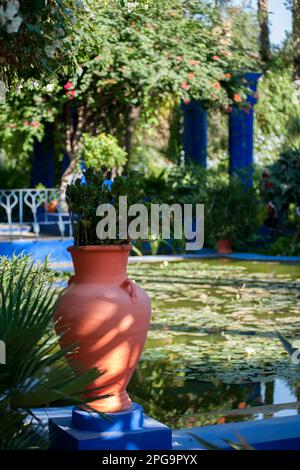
[27, 210]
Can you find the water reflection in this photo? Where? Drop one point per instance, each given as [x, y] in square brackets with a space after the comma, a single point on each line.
[182, 403]
[216, 320]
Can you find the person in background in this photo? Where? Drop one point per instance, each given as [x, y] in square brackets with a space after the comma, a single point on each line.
[108, 182]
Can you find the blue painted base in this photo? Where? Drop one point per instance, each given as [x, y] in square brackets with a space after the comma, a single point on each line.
[266, 434]
[128, 420]
[126, 430]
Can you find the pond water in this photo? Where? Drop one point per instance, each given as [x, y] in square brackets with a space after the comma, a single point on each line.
[212, 349]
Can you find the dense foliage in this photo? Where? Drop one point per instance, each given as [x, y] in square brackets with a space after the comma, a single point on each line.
[284, 178]
[101, 150]
[231, 211]
[115, 99]
[278, 103]
[41, 38]
[152, 52]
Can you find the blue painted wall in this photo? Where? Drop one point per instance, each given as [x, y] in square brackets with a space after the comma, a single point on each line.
[194, 133]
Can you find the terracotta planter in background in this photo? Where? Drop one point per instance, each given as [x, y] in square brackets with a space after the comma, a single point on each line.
[51, 206]
[224, 246]
[107, 316]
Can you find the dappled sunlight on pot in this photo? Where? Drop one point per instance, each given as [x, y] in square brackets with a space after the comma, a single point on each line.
[108, 317]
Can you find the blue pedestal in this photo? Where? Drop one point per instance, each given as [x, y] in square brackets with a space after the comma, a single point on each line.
[126, 430]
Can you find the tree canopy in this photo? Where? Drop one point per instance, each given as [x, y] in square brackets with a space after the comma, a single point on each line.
[39, 38]
[124, 62]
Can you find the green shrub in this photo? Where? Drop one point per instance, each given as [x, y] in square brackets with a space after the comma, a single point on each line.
[187, 184]
[285, 246]
[13, 177]
[285, 177]
[102, 149]
[231, 211]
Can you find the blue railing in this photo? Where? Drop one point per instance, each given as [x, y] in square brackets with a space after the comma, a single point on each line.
[32, 211]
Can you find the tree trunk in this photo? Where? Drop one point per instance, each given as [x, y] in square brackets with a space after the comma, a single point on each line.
[263, 18]
[73, 140]
[65, 180]
[296, 38]
[131, 120]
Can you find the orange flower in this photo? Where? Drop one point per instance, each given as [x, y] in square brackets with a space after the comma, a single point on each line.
[185, 86]
[237, 98]
[228, 109]
[222, 420]
[217, 85]
[179, 58]
[227, 75]
[242, 405]
[191, 75]
[186, 101]
[194, 62]
[216, 57]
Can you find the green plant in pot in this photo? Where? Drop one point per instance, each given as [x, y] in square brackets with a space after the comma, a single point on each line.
[83, 200]
[231, 213]
[102, 310]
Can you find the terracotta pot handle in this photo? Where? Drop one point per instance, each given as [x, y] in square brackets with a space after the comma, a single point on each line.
[133, 294]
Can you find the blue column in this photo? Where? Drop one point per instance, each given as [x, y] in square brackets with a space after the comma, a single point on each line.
[194, 133]
[241, 134]
[43, 170]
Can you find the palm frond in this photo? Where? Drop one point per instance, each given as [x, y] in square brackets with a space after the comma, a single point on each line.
[286, 344]
[240, 445]
[36, 373]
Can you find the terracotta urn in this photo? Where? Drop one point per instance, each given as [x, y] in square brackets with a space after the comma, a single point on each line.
[224, 246]
[107, 316]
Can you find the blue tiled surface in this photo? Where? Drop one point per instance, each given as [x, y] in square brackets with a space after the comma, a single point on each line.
[268, 258]
[268, 434]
